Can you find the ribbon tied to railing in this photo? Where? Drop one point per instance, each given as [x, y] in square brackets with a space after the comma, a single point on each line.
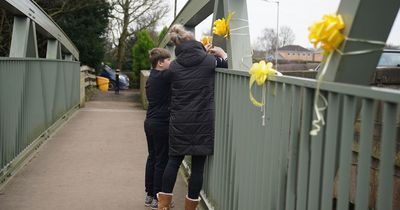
[327, 35]
[259, 73]
[221, 26]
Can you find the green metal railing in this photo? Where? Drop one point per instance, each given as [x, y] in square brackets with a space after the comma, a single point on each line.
[280, 166]
[35, 94]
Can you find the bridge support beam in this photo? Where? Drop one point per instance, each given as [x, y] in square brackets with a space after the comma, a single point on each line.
[238, 45]
[53, 49]
[365, 19]
[219, 13]
[23, 41]
[193, 13]
[69, 57]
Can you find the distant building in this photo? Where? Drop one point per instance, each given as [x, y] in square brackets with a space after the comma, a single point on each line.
[299, 53]
[318, 56]
[258, 55]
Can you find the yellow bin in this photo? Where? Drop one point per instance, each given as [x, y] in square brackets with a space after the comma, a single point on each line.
[102, 82]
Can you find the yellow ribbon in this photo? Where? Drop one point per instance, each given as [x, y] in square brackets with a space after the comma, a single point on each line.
[259, 72]
[205, 40]
[327, 33]
[221, 26]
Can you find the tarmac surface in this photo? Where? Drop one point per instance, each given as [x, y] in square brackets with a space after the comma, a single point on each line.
[95, 161]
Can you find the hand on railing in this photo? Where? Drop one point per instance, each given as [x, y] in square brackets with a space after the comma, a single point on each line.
[217, 51]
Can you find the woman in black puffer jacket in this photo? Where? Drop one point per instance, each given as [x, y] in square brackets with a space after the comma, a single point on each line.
[191, 129]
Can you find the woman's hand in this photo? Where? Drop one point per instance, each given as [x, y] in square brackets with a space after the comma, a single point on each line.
[208, 47]
[217, 51]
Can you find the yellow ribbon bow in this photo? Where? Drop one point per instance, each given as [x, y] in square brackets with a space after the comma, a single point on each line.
[259, 72]
[221, 26]
[327, 33]
[205, 40]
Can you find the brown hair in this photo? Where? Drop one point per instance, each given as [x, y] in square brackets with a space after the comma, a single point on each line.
[179, 34]
[158, 54]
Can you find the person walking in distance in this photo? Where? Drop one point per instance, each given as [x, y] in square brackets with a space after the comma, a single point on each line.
[117, 71]
[191, 128]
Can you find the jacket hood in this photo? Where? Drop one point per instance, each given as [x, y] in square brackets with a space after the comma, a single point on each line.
[190, 53]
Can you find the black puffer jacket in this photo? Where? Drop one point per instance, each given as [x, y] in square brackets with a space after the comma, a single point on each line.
[191, 127]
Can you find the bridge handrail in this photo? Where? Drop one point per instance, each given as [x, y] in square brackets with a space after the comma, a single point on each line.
[376, 93]
[47, 26]
[37, 59]
[37, 96]
[288, 166]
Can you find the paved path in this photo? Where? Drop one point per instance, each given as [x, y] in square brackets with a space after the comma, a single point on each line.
[96, 161]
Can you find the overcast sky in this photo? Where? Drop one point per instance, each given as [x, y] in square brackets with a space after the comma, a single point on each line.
[297, 14]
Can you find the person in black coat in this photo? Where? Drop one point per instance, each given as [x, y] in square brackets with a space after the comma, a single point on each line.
[191, 128]
[156, 125]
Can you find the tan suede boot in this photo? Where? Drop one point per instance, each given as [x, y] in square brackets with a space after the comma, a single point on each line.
[164, 200]
[191, 204]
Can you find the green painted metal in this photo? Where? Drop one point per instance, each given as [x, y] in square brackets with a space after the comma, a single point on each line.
[363, 174]
[367, 20]
[279, 166]
[293, 149]
[382, 94]
[331, 144]
[24, 41]
[193, 13]
[35, 94]
[304, 150]
[43, 22]
[238, 45]
[315, 179]
[53, 49]
[388, 149]
[346, 138]
[69, 57]
[218, 13]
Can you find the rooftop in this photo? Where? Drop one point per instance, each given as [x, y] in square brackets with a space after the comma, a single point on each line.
[294, 48]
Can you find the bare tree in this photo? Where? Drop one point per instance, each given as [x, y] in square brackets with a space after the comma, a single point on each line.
[286, 36]
[131, 16]
[268, 40]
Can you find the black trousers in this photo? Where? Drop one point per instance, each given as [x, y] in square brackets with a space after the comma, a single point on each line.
[196, 177]
[157, 145]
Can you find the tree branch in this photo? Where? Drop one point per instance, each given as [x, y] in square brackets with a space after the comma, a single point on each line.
[115, 17]
[67, 8]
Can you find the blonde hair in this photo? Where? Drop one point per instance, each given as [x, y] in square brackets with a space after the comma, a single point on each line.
[178, 34]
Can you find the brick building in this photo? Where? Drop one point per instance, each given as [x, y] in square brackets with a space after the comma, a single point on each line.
[299, 53]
